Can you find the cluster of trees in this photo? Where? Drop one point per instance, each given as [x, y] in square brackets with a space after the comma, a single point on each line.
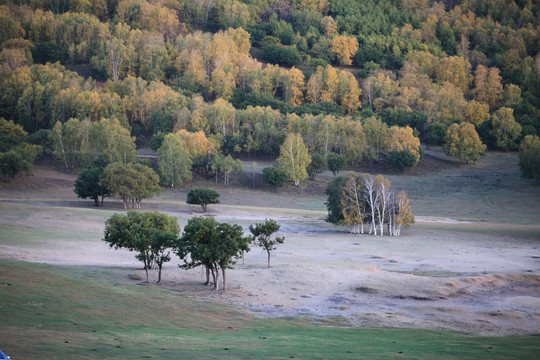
[17, 153]
[422, 64]
[204, 241]
[150, 234]
[131, 182]
[81, 143]
[361, 200]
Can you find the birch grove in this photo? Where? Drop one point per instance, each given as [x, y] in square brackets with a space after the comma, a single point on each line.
[368, 202]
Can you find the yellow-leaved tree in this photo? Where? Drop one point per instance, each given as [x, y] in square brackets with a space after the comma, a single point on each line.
[345, 47]
[294, 158]
[196, 142]
[402, 138]
[505, 129]
[488, 87]
[476, 112]
[401, 214]
[463, 142]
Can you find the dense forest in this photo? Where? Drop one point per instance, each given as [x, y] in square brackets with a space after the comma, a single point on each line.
[366, 79]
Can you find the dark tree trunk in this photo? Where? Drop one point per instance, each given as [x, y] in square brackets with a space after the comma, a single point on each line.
[160, 265]
[146, 266]
[96, 200]
[207, 276]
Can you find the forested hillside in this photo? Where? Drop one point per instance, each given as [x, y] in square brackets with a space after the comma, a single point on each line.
[364, 79]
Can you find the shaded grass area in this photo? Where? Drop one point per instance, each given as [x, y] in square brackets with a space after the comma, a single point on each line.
[87, 313]
[490, 190]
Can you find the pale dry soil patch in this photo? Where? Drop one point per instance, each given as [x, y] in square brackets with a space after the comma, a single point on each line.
[431, 277]
[477, 277]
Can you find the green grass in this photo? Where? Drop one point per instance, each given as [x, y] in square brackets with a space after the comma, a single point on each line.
[88, 313]
[491, 190]
[66, 312]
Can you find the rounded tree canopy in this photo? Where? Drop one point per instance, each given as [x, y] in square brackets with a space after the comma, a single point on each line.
[203, 197]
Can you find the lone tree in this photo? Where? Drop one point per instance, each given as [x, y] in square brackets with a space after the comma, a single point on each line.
[150, 234]
[263, 234]
[203, 197]
[318, 165]
[211, 244]
[131, 183]
[88, 185]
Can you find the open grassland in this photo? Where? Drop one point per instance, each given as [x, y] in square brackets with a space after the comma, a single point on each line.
[490, 190]
[323, 296]
[88, 313]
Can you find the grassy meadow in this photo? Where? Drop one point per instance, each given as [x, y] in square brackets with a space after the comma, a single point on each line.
[85, 310]
[71, 312]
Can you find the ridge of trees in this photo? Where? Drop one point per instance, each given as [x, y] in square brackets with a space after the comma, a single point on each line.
[418, 64]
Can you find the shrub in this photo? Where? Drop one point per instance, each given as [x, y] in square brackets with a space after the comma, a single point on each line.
[401, 159]
[274, 176]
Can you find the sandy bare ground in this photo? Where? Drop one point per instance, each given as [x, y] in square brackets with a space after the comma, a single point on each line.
[475, 277]
[473, 283]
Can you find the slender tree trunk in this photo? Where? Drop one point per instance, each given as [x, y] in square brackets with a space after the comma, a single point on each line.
[207, 276]
[224, 278]
[216, 271]
[96, 200]
[214, 277]
[160, 265]
[146, 266]
[268, 252]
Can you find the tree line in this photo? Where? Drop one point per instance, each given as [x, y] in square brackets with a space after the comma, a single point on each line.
[425, 65]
